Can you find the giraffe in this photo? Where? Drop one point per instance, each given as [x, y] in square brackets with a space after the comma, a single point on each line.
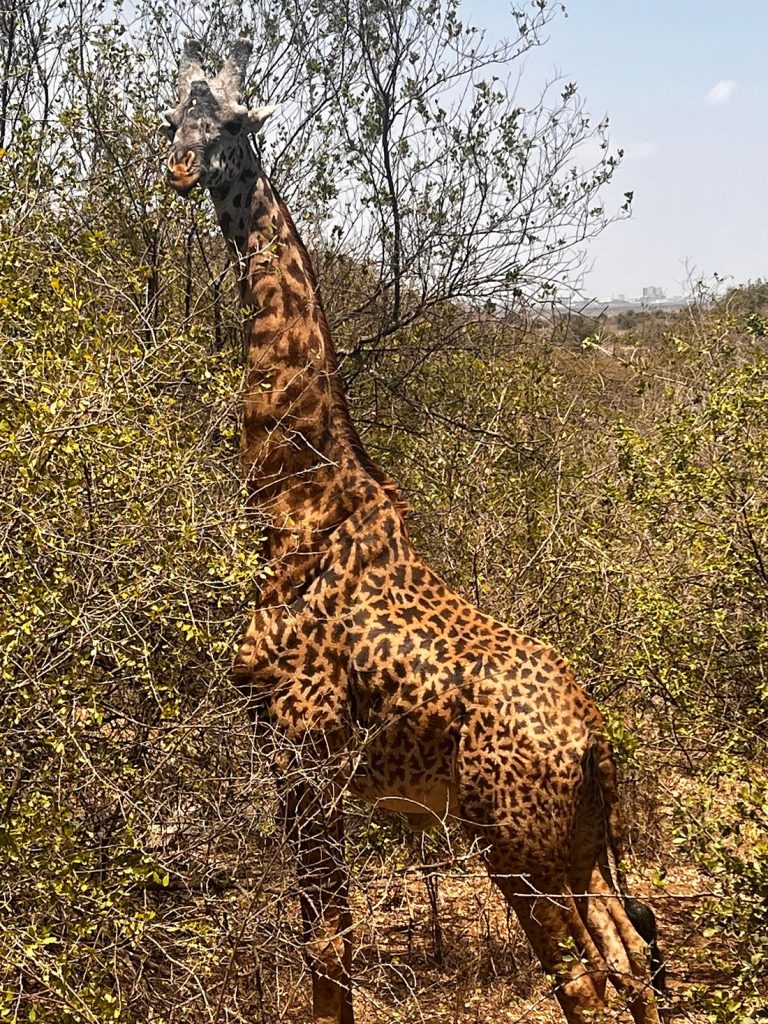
[455, 715]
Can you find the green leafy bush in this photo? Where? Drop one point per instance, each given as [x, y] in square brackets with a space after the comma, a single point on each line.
[128, 566]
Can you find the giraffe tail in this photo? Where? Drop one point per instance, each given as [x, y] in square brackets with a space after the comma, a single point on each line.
[640, 914]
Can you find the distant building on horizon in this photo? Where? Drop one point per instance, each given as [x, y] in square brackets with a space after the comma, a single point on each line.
[653, 294]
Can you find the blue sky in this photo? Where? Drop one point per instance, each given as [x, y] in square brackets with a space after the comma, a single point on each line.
[685, 84]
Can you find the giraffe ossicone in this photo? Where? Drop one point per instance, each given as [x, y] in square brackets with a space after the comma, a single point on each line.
[460, 715]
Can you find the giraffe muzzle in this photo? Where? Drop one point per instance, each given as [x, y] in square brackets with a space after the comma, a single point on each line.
[183, 171]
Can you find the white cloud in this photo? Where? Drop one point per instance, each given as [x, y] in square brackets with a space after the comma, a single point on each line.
[721, 92]
[591, 152]
[641, 150]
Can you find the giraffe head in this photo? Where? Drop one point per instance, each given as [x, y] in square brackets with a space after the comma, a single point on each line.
[209, 127]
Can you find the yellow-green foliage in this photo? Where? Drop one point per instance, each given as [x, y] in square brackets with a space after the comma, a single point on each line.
[127, 567]
[613, 500]
[616, 502]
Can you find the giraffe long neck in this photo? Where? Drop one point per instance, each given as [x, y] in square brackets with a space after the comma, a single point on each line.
[304, 463]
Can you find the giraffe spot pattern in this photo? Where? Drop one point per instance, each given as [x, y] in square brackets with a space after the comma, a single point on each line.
[357, 643]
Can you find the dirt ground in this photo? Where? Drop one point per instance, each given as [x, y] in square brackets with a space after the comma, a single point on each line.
[470, 962]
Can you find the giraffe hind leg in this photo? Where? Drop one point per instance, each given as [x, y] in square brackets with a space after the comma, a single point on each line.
[547, 913]
[622, 943]
[623, 949]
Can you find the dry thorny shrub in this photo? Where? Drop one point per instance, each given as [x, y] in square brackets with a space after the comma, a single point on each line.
[609, 497]
[145, 872]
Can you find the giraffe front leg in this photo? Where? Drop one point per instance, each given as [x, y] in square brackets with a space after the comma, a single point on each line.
[315, 830]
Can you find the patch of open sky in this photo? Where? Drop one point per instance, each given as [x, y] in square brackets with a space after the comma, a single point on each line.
[686, 88]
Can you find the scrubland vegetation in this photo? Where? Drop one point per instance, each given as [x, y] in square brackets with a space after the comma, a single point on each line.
[607, 491]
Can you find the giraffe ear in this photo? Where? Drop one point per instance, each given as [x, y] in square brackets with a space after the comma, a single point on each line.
[257, 119]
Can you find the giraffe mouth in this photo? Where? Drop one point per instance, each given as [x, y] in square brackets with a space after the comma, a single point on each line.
[183, 173]
[183, 182]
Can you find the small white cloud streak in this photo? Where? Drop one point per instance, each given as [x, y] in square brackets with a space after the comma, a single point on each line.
[641, 150]
[721, 92]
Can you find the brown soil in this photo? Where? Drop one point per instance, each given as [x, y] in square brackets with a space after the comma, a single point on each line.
[470, 963]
